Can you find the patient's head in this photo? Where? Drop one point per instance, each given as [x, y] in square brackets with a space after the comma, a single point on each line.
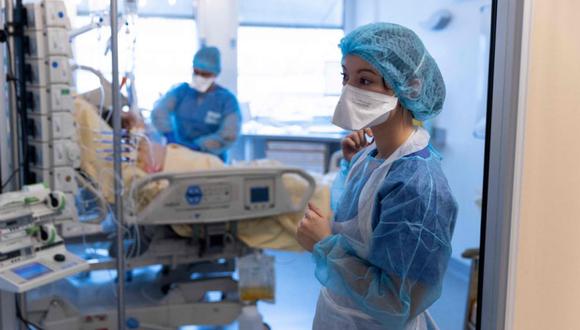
[129, 119]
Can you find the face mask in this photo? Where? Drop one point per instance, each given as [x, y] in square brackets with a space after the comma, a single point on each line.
[201, 84]
[358, 109]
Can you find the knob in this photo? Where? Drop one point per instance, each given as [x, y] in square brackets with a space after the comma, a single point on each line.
[59, 257]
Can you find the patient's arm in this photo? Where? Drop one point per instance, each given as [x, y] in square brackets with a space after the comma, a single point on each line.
[151, 156]
[131, 120]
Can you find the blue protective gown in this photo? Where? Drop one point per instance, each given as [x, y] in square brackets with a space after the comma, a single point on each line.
[208, 122]
[391, 280]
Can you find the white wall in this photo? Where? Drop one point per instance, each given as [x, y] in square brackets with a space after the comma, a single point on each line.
[457, 51]
[546, 255]
[217, 24]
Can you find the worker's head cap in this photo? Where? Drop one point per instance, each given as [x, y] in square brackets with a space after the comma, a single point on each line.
[404, 62]
[208, 59]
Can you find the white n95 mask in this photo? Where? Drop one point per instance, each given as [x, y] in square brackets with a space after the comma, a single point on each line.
[200, 83]
[358, 109]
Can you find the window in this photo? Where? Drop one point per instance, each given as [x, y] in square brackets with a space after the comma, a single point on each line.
[289, 74]
[288, 58]
[144, 8]
[292, 13]
[162, 57]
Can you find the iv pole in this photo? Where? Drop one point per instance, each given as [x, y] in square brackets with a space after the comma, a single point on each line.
[117, 167]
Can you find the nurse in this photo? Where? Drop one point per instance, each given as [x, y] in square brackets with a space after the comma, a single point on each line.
[201, 115]
[382, 259]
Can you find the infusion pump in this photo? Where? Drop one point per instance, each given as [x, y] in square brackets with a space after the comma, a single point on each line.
[31, 251]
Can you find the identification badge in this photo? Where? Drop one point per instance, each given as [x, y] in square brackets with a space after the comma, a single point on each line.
[213, 117]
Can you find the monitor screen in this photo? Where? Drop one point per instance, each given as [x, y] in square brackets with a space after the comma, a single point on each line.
[259, 194]
[32, 270]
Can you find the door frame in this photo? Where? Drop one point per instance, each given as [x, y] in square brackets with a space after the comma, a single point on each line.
[510, 32]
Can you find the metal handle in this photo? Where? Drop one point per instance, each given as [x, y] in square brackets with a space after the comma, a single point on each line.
[311, 187]
[152, 178]
[141, 183]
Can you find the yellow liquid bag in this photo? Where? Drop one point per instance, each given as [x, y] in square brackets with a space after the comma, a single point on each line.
[257, 278]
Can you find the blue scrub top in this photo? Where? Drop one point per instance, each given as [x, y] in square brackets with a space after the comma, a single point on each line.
[208, 122]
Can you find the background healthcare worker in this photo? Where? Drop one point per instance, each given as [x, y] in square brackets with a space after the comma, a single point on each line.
[382, 260]
[201, 115]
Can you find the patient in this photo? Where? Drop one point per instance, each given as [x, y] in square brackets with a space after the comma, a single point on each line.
[149, 155]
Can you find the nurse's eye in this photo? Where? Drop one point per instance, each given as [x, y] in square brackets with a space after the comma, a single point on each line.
[365, 82]
[344, 77]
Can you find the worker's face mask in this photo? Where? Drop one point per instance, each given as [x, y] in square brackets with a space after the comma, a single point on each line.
[201, 84]
[358, 109]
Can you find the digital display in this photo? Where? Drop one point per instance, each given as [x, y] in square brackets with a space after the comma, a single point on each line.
[31, 271]
[259, 194]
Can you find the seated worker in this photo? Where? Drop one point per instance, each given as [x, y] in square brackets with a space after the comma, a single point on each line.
[201, 115]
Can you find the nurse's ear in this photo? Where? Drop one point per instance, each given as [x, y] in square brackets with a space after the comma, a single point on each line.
[414, 86]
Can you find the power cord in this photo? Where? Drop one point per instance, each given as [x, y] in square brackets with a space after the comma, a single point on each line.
[10, 178]
[29, 324]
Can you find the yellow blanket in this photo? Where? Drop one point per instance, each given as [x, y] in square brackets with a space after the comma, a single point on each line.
[95, 137]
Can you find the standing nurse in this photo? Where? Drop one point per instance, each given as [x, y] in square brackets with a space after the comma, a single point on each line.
[381, 261]
[201, 115]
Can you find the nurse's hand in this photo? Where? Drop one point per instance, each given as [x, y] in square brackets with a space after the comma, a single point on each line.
[354, 142]
[305, 242]
[313, 228]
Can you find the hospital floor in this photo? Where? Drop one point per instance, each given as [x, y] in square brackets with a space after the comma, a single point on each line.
[297, 292]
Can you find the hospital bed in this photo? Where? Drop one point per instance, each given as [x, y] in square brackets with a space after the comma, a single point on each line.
[211, 204]
[195, 224]
[185, 218]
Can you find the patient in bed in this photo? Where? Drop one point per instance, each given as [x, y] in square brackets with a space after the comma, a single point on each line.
[143, 155]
